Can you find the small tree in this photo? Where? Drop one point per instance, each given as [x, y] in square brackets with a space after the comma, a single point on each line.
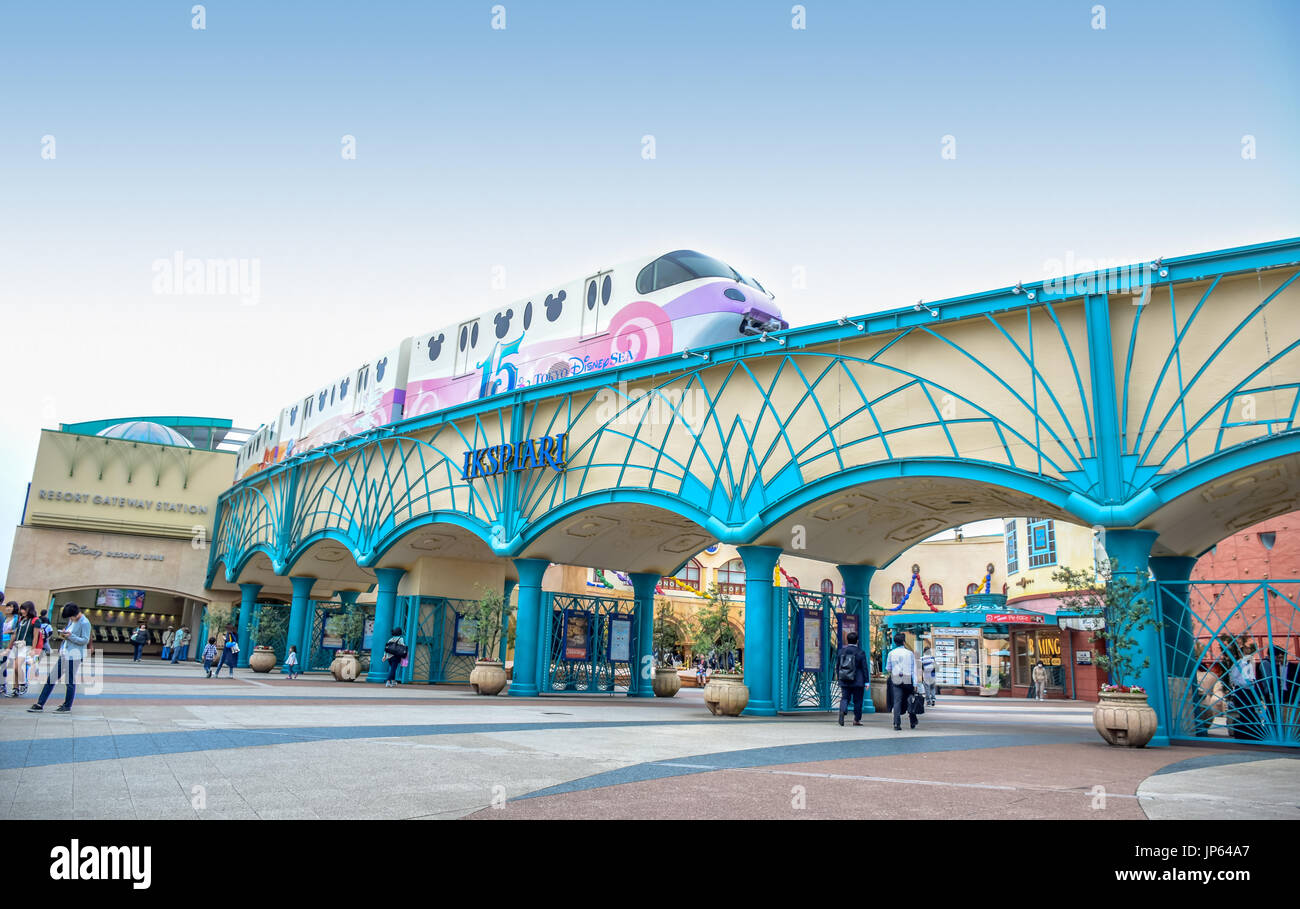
[712, 622]
[667, 628]
[1123, 601]
[486, 615]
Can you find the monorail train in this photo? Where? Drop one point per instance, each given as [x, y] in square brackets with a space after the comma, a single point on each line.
[635, 311]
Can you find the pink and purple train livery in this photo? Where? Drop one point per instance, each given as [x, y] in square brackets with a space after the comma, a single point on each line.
[635, 311]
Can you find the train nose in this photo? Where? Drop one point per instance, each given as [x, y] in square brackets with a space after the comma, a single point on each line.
[755, 321]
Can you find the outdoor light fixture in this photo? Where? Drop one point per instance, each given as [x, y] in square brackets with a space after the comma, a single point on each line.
[919, 305]
[688, 353]
[1020, 289]
[765, 337]
[860, 326]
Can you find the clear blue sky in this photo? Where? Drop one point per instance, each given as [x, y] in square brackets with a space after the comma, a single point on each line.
[776, 148]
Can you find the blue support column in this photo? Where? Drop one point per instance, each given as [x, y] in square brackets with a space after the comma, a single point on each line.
[1179, 639]
[527, 670]
[247, 603]
[298, 609]
[643, 669]
[505, 619]
[385, 616]
[1132, 550]
[857, 583]
[1101, 364]
[761, 669]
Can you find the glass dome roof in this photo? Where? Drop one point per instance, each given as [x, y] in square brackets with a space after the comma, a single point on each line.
[142, 431]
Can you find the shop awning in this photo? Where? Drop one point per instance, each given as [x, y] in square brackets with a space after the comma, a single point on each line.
[970, 619]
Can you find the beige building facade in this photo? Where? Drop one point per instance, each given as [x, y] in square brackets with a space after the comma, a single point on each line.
[119, 524]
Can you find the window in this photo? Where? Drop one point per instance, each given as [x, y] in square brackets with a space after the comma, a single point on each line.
[896, 593]
[731, 578]
[690, 573]
[1013, 554]
[972, 588]
[677, 267]
[936, 594]
[1041, 533]
[828, 586]
[1268, 539]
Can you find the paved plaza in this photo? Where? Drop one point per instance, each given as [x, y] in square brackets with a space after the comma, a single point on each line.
[162, 741]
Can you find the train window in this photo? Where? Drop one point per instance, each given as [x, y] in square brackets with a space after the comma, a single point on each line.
[306, 408]
[606, 288]
[591, 295]
[363, 379]
[464, 350]
[679, 266]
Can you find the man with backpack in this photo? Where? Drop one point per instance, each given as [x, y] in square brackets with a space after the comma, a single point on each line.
[902, 674]
[851, 673]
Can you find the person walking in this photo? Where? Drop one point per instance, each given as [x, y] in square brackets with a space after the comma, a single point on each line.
[851, 673]
[6, 637]
[209, 654]
[1039, 676]
[291, 663]
[76, 635]
[928, 674]
[394, 653]
[180, 641]
[21, 643]
[902, 673]
[229, 651]
[168, 641]
[139, 638]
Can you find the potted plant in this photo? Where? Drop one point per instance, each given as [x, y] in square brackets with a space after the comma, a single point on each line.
[263, 659]
[726, 694]
[1122, 715]
[485, 618]
[666, 682]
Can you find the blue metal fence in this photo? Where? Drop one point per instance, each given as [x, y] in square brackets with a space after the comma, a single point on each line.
[1231, 649]
[435, 655]
[588, 638]
[811, 626]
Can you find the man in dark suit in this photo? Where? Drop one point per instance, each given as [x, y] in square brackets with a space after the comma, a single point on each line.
[851, 673]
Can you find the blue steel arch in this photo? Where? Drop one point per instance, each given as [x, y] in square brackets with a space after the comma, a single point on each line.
[1018, 388]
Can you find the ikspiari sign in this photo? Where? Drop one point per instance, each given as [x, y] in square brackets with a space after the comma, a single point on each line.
[547, 451]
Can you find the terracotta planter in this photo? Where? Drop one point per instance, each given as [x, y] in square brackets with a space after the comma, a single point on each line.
[345, 667]
[666, 682]
[726, 694]
[262, 660]
[1124, 719]
[879, 690]
[487, 677]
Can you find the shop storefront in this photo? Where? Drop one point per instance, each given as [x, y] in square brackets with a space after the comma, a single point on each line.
[992, 654]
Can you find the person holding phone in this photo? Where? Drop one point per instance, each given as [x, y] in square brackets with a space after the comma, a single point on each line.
[75, 635]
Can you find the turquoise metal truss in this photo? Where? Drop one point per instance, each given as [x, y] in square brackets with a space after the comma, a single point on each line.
[1131, 425]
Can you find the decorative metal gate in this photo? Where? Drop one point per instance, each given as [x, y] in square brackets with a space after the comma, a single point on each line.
[437, 653]
[811, 627]
[1232, 660]
[334, 627]
[592, 644]
[270, 628]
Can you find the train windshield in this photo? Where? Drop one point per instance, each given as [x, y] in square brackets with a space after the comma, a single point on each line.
[679, 266]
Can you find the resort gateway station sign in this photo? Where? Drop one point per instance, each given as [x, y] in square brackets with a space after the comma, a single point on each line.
[546, 451]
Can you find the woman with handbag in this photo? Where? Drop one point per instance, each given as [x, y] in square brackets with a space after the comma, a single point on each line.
[394, 656]
[229, 651]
